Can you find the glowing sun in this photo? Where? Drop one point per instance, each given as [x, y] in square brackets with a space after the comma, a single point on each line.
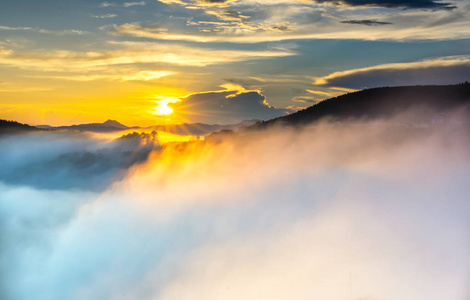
[162, 108]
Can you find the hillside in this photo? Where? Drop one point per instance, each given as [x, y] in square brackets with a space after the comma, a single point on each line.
[7, 127]
[426, 102]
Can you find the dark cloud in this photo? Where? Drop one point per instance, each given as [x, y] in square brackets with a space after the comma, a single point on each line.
[282, 28]
[424, 73]
[366, 22]
[404, 4]
[226, 107]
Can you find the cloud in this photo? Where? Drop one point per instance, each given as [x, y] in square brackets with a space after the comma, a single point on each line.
[198, 4]
[446, 70]
[345, 212]
[46, 31]
[129, 53]
[129, 4]
[76, 160]
[136, 29]
[107, 16]
[366, 22]
[225, 107]
[125, 4]
[228, 15]
[214, 2]
[297, 22]
[320, 93]
[406, 4]
[295, 19]
[239, 31]
[145, 75]
[180, 2]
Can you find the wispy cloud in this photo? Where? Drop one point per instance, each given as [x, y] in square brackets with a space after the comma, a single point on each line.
[107, 16]
[145, 75]
[41, 30]
[324, 94]
[127, 53]
[444, 70]
[228, 15]
[366, 22]
[125, 4]
[192, 4]
[406, 4]
[240, 24]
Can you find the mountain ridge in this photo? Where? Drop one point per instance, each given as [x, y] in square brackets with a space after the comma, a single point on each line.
[383, 103]
[180, 129]
[107, 126]
[8, 127]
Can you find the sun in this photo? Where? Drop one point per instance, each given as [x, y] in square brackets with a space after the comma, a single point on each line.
[162, 109]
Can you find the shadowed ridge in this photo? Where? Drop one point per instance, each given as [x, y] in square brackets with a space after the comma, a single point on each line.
[108, 126]
[15, 127]
[383, 102]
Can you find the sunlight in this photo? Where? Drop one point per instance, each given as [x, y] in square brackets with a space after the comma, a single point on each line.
[163, 109]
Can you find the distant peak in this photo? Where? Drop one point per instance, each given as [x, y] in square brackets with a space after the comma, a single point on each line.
[114, 123]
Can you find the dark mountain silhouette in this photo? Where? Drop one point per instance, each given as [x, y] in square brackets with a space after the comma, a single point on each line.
[180, 129]
[415, 104]
[115, 124]
[108, 126]
[7, 127]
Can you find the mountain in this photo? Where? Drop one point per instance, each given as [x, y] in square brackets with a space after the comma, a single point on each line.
[200, 128]
[418, 104]
[114, 124]
[108, 126]
[179, 129]
[7, 127]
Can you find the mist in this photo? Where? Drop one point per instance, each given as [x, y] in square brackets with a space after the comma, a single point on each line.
[351, 211]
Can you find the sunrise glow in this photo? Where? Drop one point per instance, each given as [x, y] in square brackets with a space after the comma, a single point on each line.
[234, 149]
[163, 109]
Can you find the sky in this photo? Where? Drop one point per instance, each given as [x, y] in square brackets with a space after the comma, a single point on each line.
[150, 62]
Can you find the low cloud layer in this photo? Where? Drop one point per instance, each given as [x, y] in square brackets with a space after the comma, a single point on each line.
[447, 70]
[62, 161]
[364, 211]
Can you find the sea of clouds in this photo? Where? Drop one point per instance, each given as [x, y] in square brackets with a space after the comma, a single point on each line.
[352, 211]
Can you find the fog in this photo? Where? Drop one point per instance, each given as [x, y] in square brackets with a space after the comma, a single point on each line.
[351, 211]
[65, 160]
